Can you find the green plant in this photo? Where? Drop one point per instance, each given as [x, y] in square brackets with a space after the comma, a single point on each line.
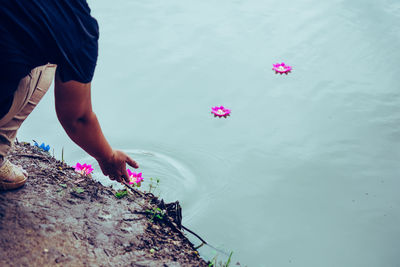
[155, 213]
[121, 194]
[153, 185]
[79, 190]
[215, 263]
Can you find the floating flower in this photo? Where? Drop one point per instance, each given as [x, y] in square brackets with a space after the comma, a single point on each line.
[42, 146]
[84, 169]
[135, 178]
[220, 112]
[281, 68]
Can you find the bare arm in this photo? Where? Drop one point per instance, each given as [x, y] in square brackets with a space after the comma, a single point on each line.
[74, 111]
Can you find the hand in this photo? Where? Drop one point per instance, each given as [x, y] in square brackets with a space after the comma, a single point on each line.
[115, 166]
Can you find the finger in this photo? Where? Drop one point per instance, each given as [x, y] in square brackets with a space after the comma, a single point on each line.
[132, 163]
[119, 178]
[104, 171]
[125, 176]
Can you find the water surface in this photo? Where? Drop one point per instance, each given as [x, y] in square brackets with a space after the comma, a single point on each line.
[305, 171]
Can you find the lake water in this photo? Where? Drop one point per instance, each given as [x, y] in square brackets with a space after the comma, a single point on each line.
[305, 172]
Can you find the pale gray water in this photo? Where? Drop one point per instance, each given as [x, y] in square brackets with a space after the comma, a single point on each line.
[306, 170]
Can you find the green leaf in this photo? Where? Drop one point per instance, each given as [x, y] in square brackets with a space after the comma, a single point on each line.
[63, 185]
[79, 190]
[121, 194]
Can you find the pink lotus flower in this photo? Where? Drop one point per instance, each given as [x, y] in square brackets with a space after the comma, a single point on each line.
[85, 169]
[281, 68]
[135, 178]
[220, 112]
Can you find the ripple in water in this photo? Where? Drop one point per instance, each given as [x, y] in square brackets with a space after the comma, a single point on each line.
[177, 181]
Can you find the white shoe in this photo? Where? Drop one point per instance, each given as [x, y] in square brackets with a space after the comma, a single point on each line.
[12, 176]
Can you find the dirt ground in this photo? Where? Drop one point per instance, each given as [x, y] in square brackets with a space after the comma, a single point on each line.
[60, 219]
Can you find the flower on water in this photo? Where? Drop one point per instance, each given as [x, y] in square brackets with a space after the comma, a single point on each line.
[84, 169]
[42, 146]
[135, 178]
[281, 68]
[220, 111]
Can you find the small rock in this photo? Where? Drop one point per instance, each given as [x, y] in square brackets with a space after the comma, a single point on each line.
[155, 227]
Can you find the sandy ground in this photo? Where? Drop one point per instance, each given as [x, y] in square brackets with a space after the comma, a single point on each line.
[55, 221]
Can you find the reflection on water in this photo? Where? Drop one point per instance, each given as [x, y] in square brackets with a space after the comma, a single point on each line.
[305, 170]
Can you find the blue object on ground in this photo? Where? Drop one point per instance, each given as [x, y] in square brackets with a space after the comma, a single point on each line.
[43, 146]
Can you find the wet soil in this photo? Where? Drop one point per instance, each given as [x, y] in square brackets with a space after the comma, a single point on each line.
[60, 218]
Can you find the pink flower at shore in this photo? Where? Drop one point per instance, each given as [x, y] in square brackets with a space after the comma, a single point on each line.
[220, 111]
[281, 68]
[84, 169]
[135, 178]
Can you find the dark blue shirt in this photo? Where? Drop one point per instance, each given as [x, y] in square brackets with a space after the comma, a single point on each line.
[36, 32]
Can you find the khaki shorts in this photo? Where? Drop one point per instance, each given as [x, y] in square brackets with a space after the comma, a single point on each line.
[30, 91]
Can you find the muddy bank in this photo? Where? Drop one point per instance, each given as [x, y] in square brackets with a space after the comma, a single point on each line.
[55, 221]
